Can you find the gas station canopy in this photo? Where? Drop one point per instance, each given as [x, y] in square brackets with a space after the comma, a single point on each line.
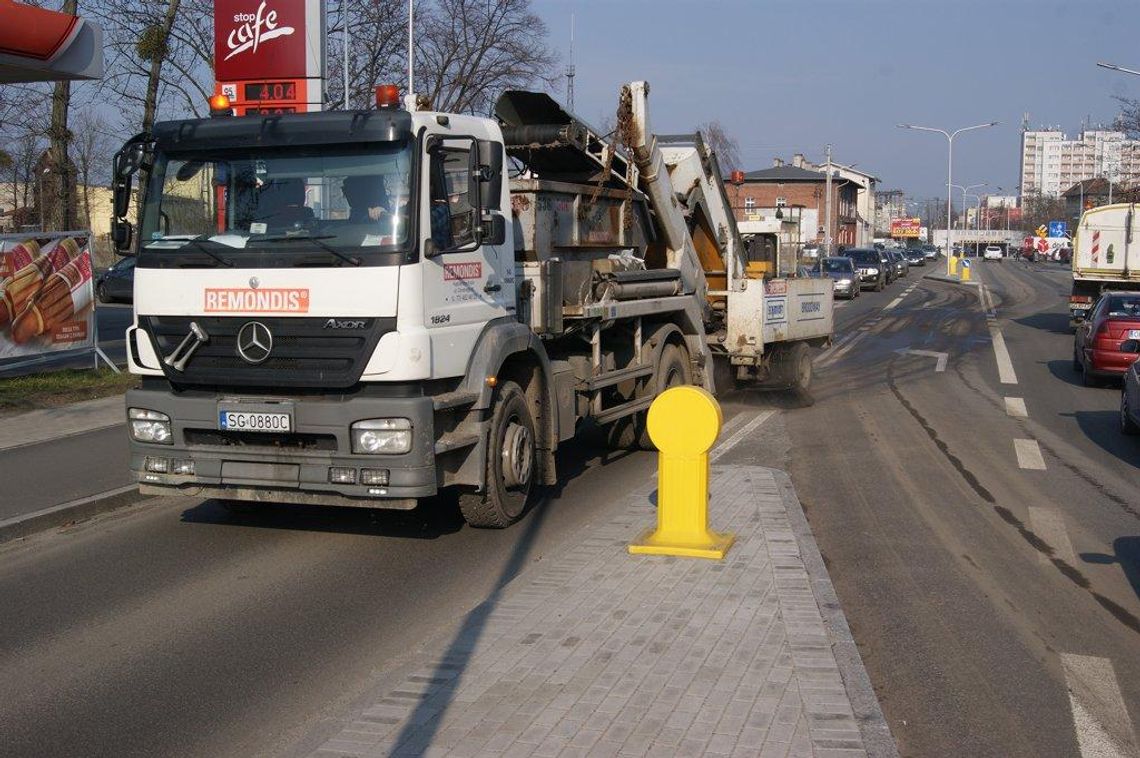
[38, 45]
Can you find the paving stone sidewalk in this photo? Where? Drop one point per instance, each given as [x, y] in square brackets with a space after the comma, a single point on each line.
[602, 653]
[47, 424]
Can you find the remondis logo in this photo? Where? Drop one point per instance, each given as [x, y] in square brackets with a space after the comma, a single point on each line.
[253, 29]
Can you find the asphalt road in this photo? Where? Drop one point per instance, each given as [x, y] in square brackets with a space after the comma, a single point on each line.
[175, 628]
[981, 593]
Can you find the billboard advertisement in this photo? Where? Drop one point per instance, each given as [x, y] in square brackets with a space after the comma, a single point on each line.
[47, 294]
[906, 228]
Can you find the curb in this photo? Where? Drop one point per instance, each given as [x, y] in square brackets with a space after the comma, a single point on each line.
[66, 513]
[873, 725]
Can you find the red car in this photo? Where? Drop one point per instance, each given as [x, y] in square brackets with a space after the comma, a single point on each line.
[1096, 348]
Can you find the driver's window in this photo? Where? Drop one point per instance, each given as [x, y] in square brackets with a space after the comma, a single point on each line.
[452, 213]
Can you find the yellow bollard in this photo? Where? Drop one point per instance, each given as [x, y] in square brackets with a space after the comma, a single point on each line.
[952, 265]
[683, 423]
[964, 270]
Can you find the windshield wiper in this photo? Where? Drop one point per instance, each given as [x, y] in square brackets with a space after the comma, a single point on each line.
[198, 245]
[327, 248]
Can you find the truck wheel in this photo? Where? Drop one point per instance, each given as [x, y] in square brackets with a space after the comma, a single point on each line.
[510, 464]
[799, 366]
[672, 371]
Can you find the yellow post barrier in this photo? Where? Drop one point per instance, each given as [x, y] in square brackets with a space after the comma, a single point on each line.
[683, 423]
[964, 270]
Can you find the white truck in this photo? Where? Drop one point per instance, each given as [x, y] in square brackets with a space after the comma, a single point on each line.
[1106, 256]
[365, 308]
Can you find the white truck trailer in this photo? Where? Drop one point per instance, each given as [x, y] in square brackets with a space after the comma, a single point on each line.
[1106, 256]
[365, 308]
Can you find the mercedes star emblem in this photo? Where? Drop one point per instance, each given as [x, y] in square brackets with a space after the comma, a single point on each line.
[254, 342]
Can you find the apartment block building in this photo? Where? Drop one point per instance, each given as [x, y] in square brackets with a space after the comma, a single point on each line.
[1051, 162]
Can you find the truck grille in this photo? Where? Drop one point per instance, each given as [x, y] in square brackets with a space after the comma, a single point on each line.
[304, 353]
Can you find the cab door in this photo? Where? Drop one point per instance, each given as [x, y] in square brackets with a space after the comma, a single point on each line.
[465, 282]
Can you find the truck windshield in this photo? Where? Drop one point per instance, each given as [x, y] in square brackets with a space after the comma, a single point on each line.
[277, 205]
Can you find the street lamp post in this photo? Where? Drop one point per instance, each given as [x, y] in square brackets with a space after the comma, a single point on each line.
[978, 208]
[949, 167]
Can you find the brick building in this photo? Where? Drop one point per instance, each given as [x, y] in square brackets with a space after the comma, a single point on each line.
[802, 193]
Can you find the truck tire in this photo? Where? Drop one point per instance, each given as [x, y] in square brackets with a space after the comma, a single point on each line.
[791, 367]
[510, 466]
[672, 371]
[800, 368]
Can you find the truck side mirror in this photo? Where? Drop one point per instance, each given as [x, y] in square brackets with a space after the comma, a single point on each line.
[494, 230]
[490, 175]
[121, 233]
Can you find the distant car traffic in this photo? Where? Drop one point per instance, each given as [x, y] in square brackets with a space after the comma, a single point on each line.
[898, 260]
[872, 265]
[117, 283]
[915, 256]
[1098, 352]
[930, 251]
[993, 253]
[845, 278]
[1130, 392]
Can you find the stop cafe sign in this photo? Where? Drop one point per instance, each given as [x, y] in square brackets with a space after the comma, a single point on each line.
[258, 40]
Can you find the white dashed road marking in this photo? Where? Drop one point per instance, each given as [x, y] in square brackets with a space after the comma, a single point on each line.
[1015, 406]
[741, 434]
[1029, 455]
[1004, 364]
[894, 302]
[842, 348]
[1099, 714]
[942, 358]
[1049, 525]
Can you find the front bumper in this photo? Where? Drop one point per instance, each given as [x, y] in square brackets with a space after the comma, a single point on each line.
[286, 468]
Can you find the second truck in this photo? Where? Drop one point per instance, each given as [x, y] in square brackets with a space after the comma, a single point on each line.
[365, 308]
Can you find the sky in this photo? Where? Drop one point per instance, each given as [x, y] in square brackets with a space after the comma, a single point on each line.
[793, 76]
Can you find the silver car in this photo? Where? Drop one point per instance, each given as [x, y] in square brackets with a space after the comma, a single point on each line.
[844, 277]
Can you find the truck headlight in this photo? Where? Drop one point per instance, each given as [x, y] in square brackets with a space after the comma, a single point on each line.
[873, 271]
[381, 436]
[150, 426]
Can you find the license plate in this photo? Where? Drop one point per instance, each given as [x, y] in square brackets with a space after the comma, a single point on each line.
[1133, 334]
[254, 421]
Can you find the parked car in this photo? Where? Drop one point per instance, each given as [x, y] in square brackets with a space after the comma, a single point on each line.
[117, 283]
[898, 260]
[1098, 342]
[993, 253]
[842, 271]
[915, 257]
[872, 265]
[1130, 392]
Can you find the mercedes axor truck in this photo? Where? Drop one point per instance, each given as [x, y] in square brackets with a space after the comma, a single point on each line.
[366, 308]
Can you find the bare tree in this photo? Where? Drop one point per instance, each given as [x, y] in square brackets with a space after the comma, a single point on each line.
[1129, 118]
[92, 149]
[158, 51]
[469, 51]
[377, 53]
[725, 146]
